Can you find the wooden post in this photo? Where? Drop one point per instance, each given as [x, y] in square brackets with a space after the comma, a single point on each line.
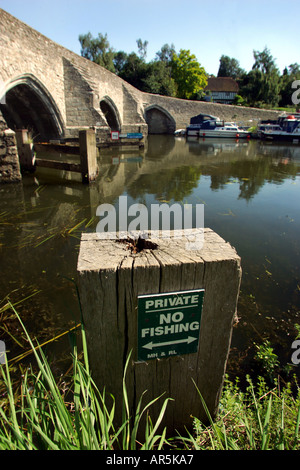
[88, 155]
[114, 281]
[25, 150]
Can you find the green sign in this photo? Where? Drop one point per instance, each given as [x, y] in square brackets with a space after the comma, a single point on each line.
[169, 324]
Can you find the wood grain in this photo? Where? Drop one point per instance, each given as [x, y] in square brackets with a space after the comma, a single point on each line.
[111, 277]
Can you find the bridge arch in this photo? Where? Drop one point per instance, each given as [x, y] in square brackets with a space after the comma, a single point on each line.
[111, 113]
[159, 120]
[28, 104]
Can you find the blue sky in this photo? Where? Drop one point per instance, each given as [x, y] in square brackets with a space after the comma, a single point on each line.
[207, 28]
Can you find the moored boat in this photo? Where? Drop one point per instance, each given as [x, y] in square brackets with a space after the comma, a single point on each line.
[211, 126]
[196, 122]
[267, 127]
[223, 129]
[288, 131]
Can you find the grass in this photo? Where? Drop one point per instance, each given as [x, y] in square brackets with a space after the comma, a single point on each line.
[42, 417]
[47, 414]
[259, 418]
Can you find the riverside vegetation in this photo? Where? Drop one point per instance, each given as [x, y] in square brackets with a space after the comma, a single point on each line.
[70, 413]
[179, 74]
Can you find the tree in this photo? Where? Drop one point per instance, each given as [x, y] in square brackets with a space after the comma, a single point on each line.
[289, 75]
[261, 86]
[188, 74]
[264, 61]
[229, 67]
[158, 79]
[166, 53]
[134, 71]
[142, 48]
[119, 60]
[98, 50]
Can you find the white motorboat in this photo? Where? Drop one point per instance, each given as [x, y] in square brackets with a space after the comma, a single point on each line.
[222, 129]
[211, 126]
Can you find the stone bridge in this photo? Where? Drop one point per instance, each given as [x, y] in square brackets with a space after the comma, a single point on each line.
[55, 93]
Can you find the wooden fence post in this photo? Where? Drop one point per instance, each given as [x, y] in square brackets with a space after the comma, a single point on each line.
[88, 155]
[172, 308]
[25, 150]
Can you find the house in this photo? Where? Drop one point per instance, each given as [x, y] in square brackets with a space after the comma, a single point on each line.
[221, 89]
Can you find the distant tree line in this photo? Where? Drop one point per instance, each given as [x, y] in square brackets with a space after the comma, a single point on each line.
[170, 73]
[263, 85]
[180, 75]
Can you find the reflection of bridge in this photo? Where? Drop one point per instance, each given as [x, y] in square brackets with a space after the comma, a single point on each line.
[55, 92]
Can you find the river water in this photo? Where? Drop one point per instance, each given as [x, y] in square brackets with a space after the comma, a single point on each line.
[251, 194]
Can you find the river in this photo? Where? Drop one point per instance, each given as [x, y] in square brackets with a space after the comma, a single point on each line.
[251, 196]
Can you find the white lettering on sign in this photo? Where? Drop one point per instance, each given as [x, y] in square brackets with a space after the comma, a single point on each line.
[170, 329]
[168, 317]
[172, 302]
[169, 324]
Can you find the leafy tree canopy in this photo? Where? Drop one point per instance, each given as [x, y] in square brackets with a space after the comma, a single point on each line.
[181, 75]
[98, 50]
[188, 74]
[230, 67]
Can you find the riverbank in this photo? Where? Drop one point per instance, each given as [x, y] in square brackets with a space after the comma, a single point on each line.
[69, 413]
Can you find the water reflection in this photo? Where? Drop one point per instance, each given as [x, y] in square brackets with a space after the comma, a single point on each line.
[250, 191]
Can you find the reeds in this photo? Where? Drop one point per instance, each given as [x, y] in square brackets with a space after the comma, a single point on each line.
[45, 418]
[44, 415]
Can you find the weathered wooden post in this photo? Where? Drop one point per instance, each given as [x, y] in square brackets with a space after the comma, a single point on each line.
[25, 150]
[172, 308]
[88, 155]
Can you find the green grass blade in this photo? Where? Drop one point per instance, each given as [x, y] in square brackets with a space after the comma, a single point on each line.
[296, 435]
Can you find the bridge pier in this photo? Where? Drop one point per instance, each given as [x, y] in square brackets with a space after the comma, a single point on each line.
[9, 161]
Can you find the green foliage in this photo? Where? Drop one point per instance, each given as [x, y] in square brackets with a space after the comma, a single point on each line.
[259, 88]
[169, 74]
[134, 71]
[142, 48]
[297, 327]
[45, 418]
[239, 100]
[255, 419]
[98, 50]
[188, 74]
[180, 75]
[267, 359]
[158, 79]
[229, 67]
[289, 75]
[262, 86]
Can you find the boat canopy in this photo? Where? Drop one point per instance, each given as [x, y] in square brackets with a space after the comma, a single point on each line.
[203, 117]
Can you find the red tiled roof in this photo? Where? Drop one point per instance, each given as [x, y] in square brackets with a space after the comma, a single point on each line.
[221, 84]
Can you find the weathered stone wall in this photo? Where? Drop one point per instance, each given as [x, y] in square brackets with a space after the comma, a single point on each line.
[183, 110]
[9, 160]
